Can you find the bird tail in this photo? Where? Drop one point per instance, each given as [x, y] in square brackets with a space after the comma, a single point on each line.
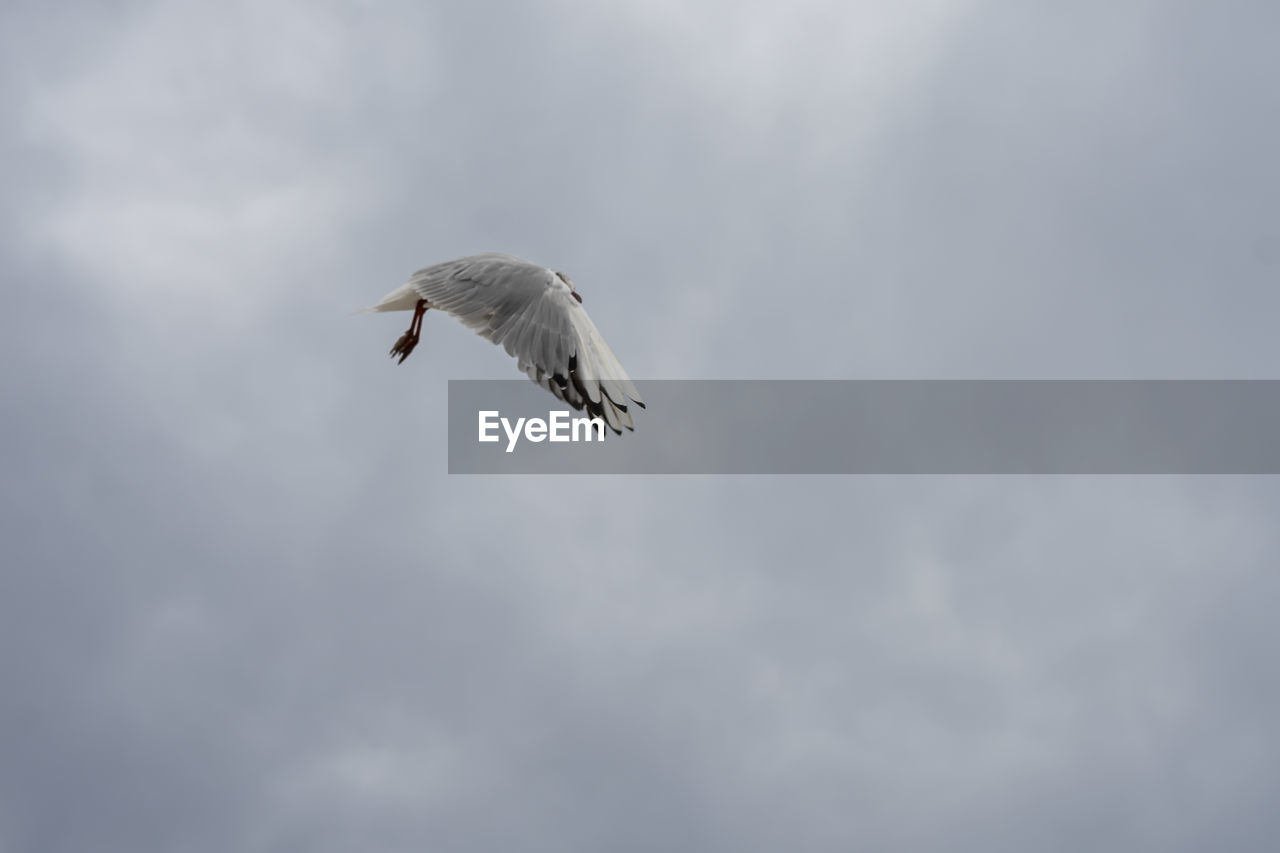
[403, 298]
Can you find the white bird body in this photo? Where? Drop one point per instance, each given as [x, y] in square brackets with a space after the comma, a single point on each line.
[536, 315]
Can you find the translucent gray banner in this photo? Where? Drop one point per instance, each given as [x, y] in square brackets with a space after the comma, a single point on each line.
[878, 427]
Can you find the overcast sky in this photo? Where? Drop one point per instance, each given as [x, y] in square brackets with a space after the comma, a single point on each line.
[244, 608]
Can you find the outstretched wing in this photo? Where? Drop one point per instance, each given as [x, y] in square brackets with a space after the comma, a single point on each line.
[532, 312]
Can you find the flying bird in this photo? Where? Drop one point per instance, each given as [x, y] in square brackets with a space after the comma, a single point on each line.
[535, 314]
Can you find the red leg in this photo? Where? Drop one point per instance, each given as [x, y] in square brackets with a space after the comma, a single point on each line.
[409, 339]
[418, 311]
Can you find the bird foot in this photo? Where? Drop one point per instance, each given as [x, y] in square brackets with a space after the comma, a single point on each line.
[409, 339]
[404, 346]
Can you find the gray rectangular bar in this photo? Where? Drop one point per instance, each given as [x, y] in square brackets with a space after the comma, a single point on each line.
[890, 427]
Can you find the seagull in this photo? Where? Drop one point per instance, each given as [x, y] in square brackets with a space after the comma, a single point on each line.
[535, 314]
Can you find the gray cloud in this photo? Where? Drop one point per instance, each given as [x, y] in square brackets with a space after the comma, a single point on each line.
[244, 608]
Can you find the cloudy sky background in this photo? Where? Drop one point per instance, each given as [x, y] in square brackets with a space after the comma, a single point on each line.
[244, 608]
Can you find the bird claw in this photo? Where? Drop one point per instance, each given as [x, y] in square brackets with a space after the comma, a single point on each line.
[404, 346]
[409, 339]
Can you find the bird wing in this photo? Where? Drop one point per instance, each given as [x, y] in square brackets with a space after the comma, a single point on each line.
[531, 312]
